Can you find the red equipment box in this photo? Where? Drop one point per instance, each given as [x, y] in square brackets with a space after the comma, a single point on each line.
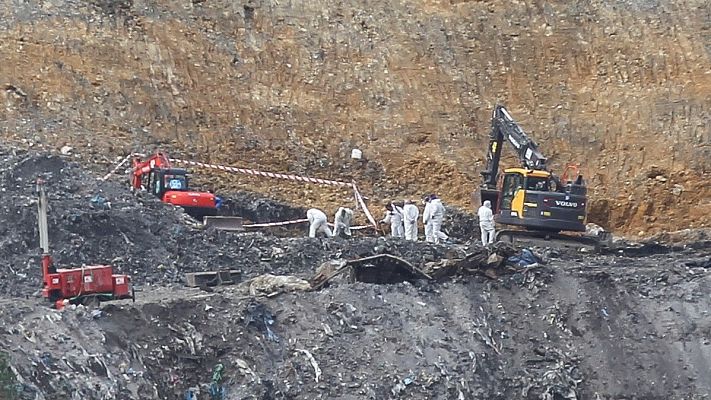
[91, 280]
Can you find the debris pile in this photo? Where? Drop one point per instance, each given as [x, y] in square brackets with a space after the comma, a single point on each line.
[91, 222]
[378, 317]
[552, 333]
[381, 269]
[495, 260]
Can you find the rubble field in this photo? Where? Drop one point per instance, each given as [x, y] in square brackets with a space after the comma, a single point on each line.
[623, 325]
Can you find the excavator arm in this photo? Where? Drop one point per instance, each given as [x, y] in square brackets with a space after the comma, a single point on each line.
[143, 167]
[503, 127]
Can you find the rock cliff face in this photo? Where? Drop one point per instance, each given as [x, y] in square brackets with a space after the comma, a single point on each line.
[621, 87]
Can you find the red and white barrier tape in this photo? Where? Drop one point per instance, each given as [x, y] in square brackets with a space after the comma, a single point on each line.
[267, 224]
[262, 173]
[360, 200]
[298, 178]
[296, 221]
[122, 162]
[359, 227]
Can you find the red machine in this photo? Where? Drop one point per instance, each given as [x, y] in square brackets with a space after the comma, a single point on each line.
[157, 175]
[76, 285]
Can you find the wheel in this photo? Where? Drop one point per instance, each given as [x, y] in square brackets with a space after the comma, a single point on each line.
[54, 296]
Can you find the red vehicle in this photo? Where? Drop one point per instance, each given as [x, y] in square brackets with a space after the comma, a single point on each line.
[158, 176]
[90, 284]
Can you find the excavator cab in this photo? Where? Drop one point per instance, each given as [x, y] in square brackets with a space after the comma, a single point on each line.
[161, 180]
[171, 186]
[533, 199]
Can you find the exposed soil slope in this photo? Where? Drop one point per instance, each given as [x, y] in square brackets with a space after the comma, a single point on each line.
[621, 87]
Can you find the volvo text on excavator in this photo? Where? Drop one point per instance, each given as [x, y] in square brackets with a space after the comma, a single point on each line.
[531, 197]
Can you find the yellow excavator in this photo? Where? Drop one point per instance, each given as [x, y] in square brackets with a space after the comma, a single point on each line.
[530, 197]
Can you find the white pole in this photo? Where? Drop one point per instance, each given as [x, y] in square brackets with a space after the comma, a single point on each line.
[42, 217]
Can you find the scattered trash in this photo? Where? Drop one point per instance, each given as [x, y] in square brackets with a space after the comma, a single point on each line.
[592, 229]
[100, 202]
[525, 259]
[270, 285]
[246, 370]
[551, 376]
[400, 386]
[313, 362]
[486, 261]
[485, 332]
[257, 315]
[191, 393]
[217, 391]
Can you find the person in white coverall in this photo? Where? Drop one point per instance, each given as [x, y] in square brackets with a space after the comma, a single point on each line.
[410, 213]
[426, 219]
[318, 222]
[486, 223]
[342, 223]
[393, 215]
[433, 217]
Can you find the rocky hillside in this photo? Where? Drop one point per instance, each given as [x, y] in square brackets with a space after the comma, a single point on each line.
[622, 87]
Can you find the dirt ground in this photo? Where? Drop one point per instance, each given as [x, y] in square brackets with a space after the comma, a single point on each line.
[620, 88]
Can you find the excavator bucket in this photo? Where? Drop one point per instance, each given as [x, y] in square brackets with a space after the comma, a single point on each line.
[233, 224]
[487, 194]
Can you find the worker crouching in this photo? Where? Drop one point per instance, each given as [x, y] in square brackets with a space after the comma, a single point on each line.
[318, 223]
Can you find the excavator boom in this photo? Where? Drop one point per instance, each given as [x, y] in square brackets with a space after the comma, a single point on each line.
[504, 128]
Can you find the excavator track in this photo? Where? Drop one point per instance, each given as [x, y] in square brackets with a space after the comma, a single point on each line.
[557, 240]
